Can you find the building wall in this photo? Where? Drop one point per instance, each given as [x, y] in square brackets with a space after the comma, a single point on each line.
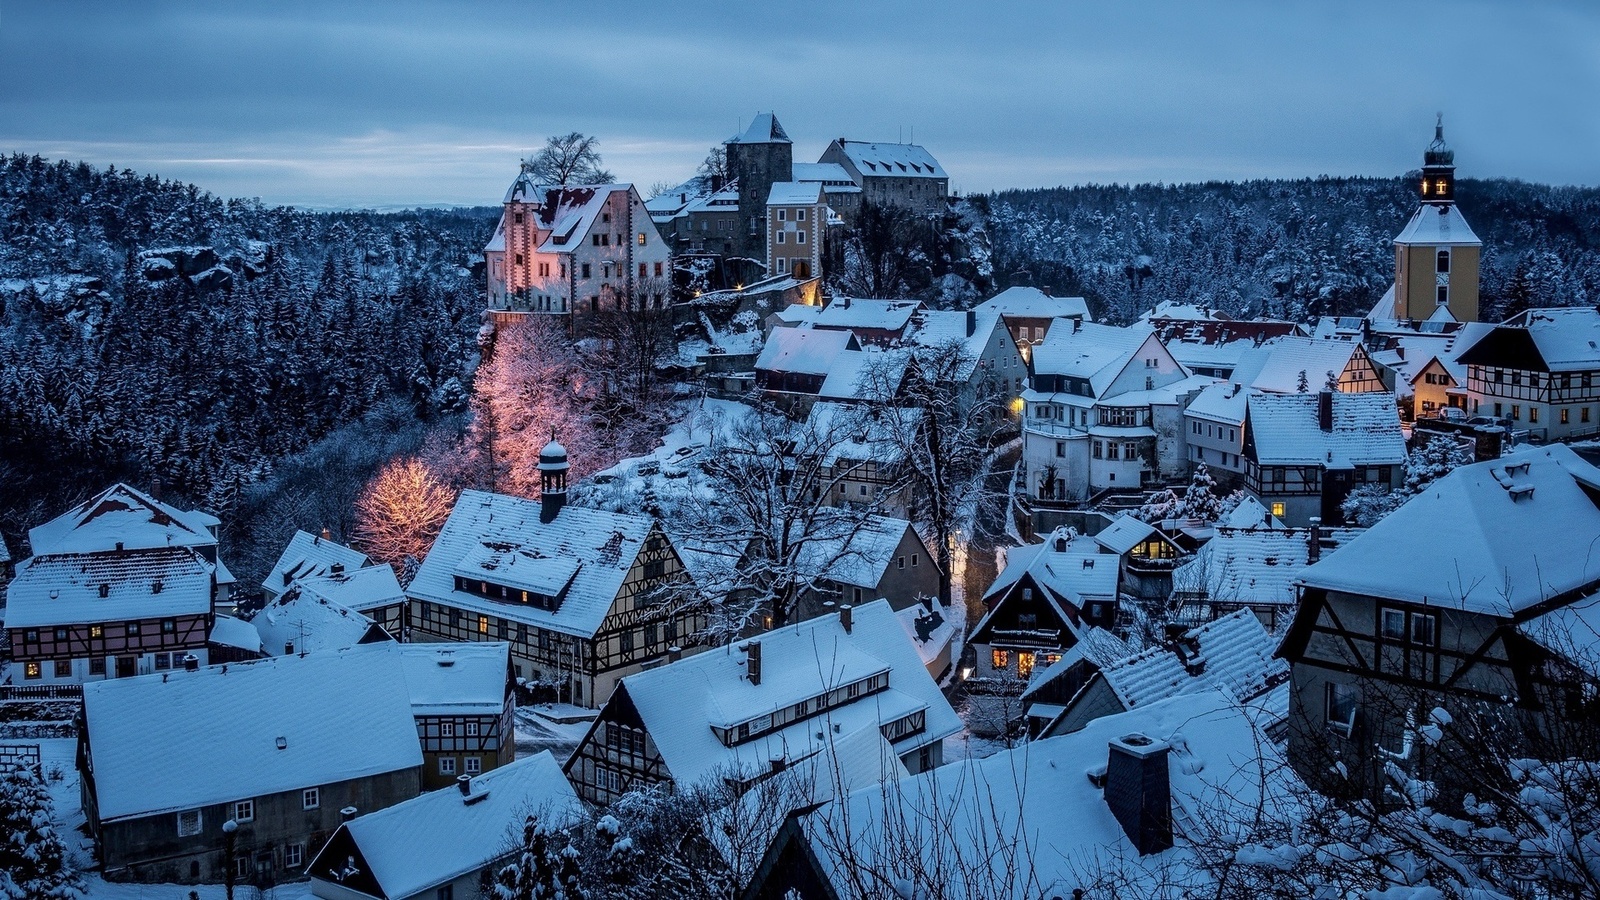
[1535, 400]
[148, 849]
[1095, 701]
[37, 650]
[1416, 281]
[1220, 445]
[444, 757]
[757, 167]
[791, 226]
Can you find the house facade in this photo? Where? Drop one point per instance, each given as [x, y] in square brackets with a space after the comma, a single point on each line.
[1305, 453]
[795, 224]
[1029, 312]
[464, 703]
[1540, 370]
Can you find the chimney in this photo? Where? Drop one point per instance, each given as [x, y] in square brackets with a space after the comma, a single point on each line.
[191, 663]
[1139, 792]
[288, 648]
[972, 322]
[845, 617]
[1077, 324]
[119, 546]
[674, 653]
[326, 534]
[844, 302]
[346, 814]
[464, 784]
[336, 569]
[752, 661]
[1044, 289]
[1325, 410]
[1314, 541]
[776, 762]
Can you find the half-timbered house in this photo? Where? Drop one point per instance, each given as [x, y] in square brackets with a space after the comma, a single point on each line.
[1305, 453]
[1541, 370]
[443, 845]
[310, 556]
[581, 594]
[279, 747]
[747, 710]
[463, 700]
[1439, 605]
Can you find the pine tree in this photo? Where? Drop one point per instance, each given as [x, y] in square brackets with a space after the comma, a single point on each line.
[1201, 501]
[32, 857]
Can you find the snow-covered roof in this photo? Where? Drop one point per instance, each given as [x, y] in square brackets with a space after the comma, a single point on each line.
[497, 241]
[363, 590]
[308, 622]
[524, 188]
[231, 632]
[848, 550]
[864, 374]
[1124, 533]
[1438, 226]
[828, 173]
[1567, 338]
[1276, 366]
[1092, 351]
[681, 701]
[810, 351]
[859, 433]
[123, 515]
[183, 740]
[1233, 654]
[897, 160]
[1249, 513]
[310, 555]
[794, 193]
[930, 630]
[453, 678]
[433, 839]
[1174, 309]
[1034, 803]
[604, 544]
[1505, 534]
[1032, 303]
[1082, 570]
[1206, 354]
[1252, 564]
[937, 329]
[764, 129]
[879, 315]
[1572, 631]
[65, 588]
[1366, 430]
[566, 214]
[1096, 646]
[1221, 402]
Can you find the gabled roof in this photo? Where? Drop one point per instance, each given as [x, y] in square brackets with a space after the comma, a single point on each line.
[794, 193]
[1571, 632]
[1082, 569]
[433, 839]
[891, 160]
[679, 702]
[1254, 564]
[842, 551]
[449, 678]
[809, 351]
[859, 433]
[569, 213]
[1124, 533]
[1276, 365]
[1438, 226]
[64, 588]
[937, 329]
[1224, 402]
[309, 555]
[1032, 303]
[1233, 654]
[880, 315]
[228, 631]
[764, 129]
[828, 173]
[309, 622]
[1506, 534]
[363, 590]
[183, 740]
[603, 544]
[1091, 351]
[1543, 340]
[122, 515]
[1366, 430]
[1034, 803]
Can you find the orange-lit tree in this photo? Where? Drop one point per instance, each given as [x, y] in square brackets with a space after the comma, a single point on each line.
[401, 511]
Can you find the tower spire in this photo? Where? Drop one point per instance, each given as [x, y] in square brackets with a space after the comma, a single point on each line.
[552, 479]
[1438, 168]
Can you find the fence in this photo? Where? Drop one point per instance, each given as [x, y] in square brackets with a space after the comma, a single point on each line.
[20, 755]
[41, 691]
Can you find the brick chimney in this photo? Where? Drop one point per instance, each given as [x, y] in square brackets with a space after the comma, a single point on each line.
[1139, 791]
[846, 618]
[752, 661]
[972, 322]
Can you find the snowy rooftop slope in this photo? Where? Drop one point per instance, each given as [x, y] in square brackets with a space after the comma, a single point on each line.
[1440, 226]
[839, 551]
[1276, 365]
[308, 622]
[1095, 645]
[1095, 352]
[121, 514]
[882, 315]
[930, 631]
[1063, 571]
[568, 213]
[794, 193]
[309, 555]
[442, 835]
[231, 632]
[1206, 355]
[1506, 534]
[810, 351]
[938, 329]
[830, 173]
[1034, 803]
[456, 678]
[497, 241]
[1221, 402]
[1249, 513]
[604, 544]
[1568, 338]
[64, 588]
[764, 129]
[189, 739]
[857, 433]
[1247, 565]
[1573, 631]
[899, 160]
[1366, 430]
[679, 701]
[362, 589]
[1032, 303]
[1124, 533]
[1232, 654]
[1173, 309]
[863, 374]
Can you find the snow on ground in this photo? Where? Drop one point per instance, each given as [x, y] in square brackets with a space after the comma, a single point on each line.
[557, 727]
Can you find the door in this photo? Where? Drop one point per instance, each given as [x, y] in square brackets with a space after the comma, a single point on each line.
[127, 666]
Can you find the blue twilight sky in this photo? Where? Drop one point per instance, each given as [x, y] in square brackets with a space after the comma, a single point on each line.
[405, 102]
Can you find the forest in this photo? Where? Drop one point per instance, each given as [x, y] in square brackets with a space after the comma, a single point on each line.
[264, 362]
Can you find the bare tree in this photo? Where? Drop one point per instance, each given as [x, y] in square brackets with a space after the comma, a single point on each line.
[714, 168]
[886, 254]
[571, 158]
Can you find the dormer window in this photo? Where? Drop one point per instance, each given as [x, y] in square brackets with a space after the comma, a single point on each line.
[105, 591]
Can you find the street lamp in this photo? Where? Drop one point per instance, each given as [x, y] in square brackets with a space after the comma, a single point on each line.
[230, 835]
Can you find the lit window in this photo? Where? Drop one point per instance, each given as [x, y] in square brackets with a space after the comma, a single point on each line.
[96, 631]
[1000, 659]
[641, 239]
[483, 624]
[1024, 664]
[244, 811]
[32, 670]
[1277, 508]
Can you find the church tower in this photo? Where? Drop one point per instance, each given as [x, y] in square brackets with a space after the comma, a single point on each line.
[552, 480]
[1436, 255]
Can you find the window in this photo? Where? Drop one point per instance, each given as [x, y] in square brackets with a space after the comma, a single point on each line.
[1393, 624]
[61, 634]
[294, 855]
[97, 665]
[782, 236]
[1516, 411]
[1565, 416]
[1342, 701]
[1424, 629]
[1277, 508]
[586, 270]
[644, 270]
[244, 811]
[472, 765]
[914, 559]
[1061, 448]
[782, 264]
[447, 765]
[658, 270]
[310, 798]
[133, 629]
[483, 624]
[1000, 659]
[641, 239]
[169, 626]
[189, 823]
[447, 729]
[1443, 264]
[32, 670]
[1443, 294]
[1533, 414]
[1024, 664]
[799, 237]
[448, 892]
[1583, 414]
[63, 668]
[626, 639]
[242, 867]
[97, 631]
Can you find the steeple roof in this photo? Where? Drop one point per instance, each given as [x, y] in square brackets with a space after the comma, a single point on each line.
[764, 129]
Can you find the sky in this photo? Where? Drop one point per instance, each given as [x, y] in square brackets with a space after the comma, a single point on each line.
[399, 103]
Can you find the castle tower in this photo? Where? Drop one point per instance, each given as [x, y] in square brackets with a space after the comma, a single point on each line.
[1436, 255]
[759, 157]
[521, 224]
[552, 479]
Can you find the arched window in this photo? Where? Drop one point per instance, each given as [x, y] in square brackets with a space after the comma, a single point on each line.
[1443, 264]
